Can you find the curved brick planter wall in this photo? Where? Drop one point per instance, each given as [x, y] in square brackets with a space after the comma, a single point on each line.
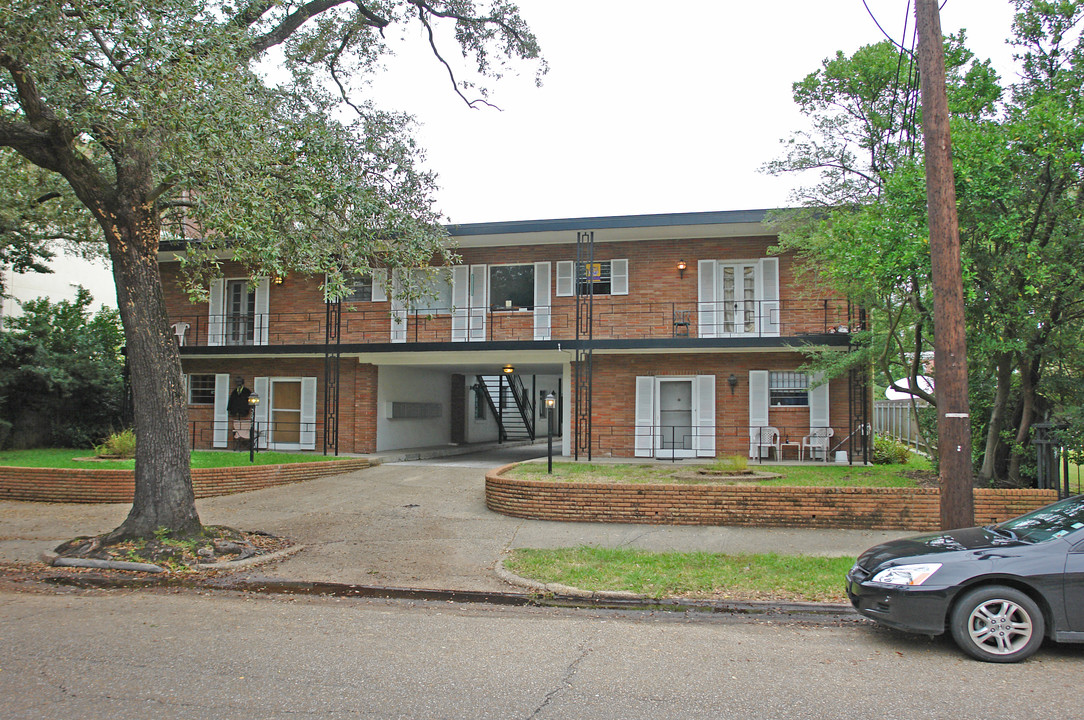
[117, 486]
[751, 505]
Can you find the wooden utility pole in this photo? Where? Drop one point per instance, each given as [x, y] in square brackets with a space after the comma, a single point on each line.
[950, 339]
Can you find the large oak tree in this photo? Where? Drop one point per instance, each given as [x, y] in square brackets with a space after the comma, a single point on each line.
[244, 124]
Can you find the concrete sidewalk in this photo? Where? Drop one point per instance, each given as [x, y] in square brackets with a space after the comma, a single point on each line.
[412, 524]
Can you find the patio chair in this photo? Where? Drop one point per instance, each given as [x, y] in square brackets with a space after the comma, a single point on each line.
[817, 441]
[762, 439]
[180, 332]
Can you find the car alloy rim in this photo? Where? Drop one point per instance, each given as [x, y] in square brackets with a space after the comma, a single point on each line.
[999, 626]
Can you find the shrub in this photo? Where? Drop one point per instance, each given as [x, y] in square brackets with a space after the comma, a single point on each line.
[119, 444]
[889, 451]
[732, 464]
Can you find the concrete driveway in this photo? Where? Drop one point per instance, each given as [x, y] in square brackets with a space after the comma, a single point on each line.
[417, 524]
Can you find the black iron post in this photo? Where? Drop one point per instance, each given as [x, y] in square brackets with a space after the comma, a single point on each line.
[551, 405]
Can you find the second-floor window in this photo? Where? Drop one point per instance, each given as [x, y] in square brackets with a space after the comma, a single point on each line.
[606, 277]
[361, 288]
[511, 287]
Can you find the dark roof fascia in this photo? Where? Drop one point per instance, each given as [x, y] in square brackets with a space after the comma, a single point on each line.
[612, 222]
[602, 222]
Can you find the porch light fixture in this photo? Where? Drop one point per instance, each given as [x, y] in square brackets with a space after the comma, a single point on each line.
[508, 369]
[682, 267]
[732, 381]
[277, 279]
[253, 401]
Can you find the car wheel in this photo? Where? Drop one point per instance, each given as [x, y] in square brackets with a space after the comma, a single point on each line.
[997, 624]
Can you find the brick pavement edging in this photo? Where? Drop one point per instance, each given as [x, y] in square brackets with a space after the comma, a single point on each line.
[851, 508]
[90, 485]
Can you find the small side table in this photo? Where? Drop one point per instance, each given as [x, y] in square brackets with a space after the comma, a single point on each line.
[794, 444]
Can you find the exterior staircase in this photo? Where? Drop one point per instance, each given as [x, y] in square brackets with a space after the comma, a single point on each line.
[511, 405]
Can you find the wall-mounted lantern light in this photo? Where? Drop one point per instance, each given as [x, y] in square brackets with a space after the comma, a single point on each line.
[277, 279]
[732, 381]
[682, 267]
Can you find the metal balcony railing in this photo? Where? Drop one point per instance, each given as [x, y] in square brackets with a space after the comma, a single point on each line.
[613, 320]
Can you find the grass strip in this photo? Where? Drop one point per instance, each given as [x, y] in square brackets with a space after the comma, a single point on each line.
[66, 458]
[719, 576]
[811, 475]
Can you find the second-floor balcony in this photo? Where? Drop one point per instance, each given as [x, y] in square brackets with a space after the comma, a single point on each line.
[609, 321]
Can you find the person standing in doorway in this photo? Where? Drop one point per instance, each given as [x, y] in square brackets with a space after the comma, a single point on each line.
[238, 410]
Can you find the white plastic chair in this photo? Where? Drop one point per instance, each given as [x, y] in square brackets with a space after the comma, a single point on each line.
[817, 441]
[180, 329]
[762, 439]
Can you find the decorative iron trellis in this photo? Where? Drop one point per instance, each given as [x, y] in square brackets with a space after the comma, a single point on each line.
[585, 260]
[332, 356]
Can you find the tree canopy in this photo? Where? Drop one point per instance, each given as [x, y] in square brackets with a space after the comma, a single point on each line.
[1019, 167]
[245, 126]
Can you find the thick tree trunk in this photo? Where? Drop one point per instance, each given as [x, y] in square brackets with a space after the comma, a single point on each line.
[997, 415]
[163, 480]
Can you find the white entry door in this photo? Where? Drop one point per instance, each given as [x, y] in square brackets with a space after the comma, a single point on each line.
[675, 421]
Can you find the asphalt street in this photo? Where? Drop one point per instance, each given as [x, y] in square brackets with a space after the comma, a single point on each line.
[193, 655]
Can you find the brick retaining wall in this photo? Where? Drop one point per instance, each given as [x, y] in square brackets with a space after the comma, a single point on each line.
[751, 505]
[91, 485]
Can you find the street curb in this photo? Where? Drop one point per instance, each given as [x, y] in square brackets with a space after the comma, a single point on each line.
[561, 593]
[576, 599]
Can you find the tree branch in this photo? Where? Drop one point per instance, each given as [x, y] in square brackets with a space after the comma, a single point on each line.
[433, 45]
[289, 25]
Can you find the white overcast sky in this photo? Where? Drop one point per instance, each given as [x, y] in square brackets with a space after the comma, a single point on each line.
[648, 107]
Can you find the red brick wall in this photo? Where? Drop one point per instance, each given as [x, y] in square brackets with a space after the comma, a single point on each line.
[745, 505]
[117, 486]
[357, 396]
[614, 401]
[655, 291]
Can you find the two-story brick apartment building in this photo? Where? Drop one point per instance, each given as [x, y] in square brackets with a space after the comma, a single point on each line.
[673, 335]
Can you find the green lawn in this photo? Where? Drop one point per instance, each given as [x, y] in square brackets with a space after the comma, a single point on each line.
[694, 575]
[66, 458]
[913, 474]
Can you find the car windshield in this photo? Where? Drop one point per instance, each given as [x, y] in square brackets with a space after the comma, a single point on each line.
[1052, 521]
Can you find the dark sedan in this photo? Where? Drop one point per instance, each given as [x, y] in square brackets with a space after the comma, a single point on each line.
[998, 589]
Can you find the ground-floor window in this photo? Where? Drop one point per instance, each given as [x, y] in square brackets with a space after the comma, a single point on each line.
[788, 389]
[201, 389]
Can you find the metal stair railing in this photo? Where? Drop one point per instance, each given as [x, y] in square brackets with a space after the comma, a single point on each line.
[501, 395]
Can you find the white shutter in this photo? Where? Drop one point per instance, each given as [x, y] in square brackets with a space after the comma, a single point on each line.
[479, 303]
[619, 277]
[308, 413]
[263, 311]
[216, 312]
[704, 416]
[818, 403]
[398, 308]
[644, 441]
[758, 402]
[380, 284]
[767, 290]
[262, 387]
[566, 272]
[706, 308]
[221, 431]
[460, 302]
[542, 301]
